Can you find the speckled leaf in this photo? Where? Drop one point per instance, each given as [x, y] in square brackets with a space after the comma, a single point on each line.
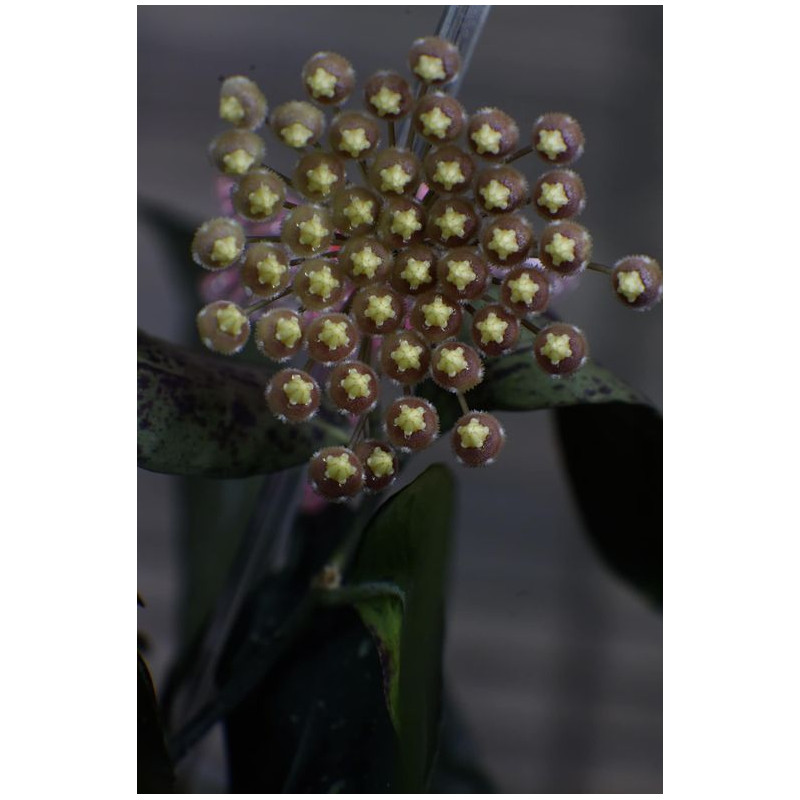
[516, 383]
[200, 415]
[407, 543]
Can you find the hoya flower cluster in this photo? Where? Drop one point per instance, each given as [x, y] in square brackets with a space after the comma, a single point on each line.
[393, 261]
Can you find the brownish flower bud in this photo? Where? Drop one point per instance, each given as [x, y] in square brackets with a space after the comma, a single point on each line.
[388, 96]
[405, 357]
[557, 138]
[336, 474]
[218, 243]
[435, 316]
[354, 135]
[434, 60]
[507, 240]
[279, 334]
[411, 423]
[308, 230]
[328, 78]
[494, 330]
[241, 103]
[265, 272]
[559, 194]
[637, 282]
[293, 395]
[223, 327]
[377, 310]
[355, 210]
[501, 189]
[353, 387]
[414, 270]
[477, 438]
[449, 169]
[438, 118]
[402, 222]
[236, 152]
[560, 349]
[395, 172]
[298, 124]
[365, 260]
[319, 284]
[565, 247]
[331, 338]
[525, 291]
[452, 222]
[259, 195]
[492, 134]
[318, 175]
[462, 274]
[456, 366]
[380, 464]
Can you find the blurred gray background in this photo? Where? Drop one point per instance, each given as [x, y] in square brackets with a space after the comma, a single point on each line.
[555, 665]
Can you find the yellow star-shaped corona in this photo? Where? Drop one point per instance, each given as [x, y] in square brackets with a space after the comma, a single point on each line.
[354, 141]
[406, 355]
[287, 331]
[495, 195]
[380, 309]
[473, 434]
[523, 289]
[356, 383]
[430, 68]
[366, 262]
[381, 463]
[405, 224]
[360, 212]
[312, 232]
[460, 274]
[224, 250]
[394, 179]
[487, 139]
[556, 348]
[296, 134]
[262, 201]
[448, 173]
[231, 110]
[298, 391]
[386, 101]
[270, 270]
[504, 242]
[561, 248]
[492, 329]
[321, 179]
[437, 313]
[416, 272]
[451, 223]
[552, 197]
[322, 83]
[339, 468]
[630, 285]
[333, 334]
[551, 143]
[410, 419]
[322, 282]
[452, 361]
[230, 320]
[238, 162]
[435, 123]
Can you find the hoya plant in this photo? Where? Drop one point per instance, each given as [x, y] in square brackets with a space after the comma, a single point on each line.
[398, 285]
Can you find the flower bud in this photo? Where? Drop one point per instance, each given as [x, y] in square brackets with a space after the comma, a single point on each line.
[452, 222]
[223, 327]
[331, 338]
[355, 210]
[412, 423]
[456, 366]
[477, 438]
[462, 274]
[318, 175]
[236, 152]
[434, 60]
[507, 239]
[525, 291]
[328, 78]
[353, 387]
[279, 334]
[395, 172]
[559, 194]
[401, 223]
[377, 310]
[307, 230]
[435, 316]
[560, 349]
[501, 189]
[265, 272]
[293, 395]
[336, 473]
[298, 124]
[388, 96]
[414, 271]
[405, 357]
[380, 464]
[494, 330]
[557, 138]
[241, 103]
[319, 284]
[259, 195]
[492, 134]
[438, 118]
[449, 169]
[637, 281]
[354, 135]
[365, 260]
[565, 247]
[218, 243]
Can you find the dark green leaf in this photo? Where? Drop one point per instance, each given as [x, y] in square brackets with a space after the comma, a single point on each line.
[202, 415]
[613, 454]
[407, 543]
[516, 383]
[154, 769]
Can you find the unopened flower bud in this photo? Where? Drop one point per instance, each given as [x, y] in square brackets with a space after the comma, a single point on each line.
[477, 438]
[259, 195]
[438, 118]
[331, 338]
[525, 291]
[236, 152]
[223, 327]
[377, 310]
[436, 317]
[560, 349]
[319, 175]
[494, 330]
[218, 243]
[265, 272]
[354, 135]
[507, 239]
[241, 103]
[405, 357]
[353, 387]
[336, 473]
[559, 194]
[298, 124]
[434, 60]
[412, 423]
[449, 169]
[492, 134]
[456, 366]
[557, 138]
[637, 282]
[328, 78]
[565, 247]
[293, 395]
[388, 96]
[380, 464]
[279, 334]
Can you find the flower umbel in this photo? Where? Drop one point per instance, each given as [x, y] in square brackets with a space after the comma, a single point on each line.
[373, 279]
